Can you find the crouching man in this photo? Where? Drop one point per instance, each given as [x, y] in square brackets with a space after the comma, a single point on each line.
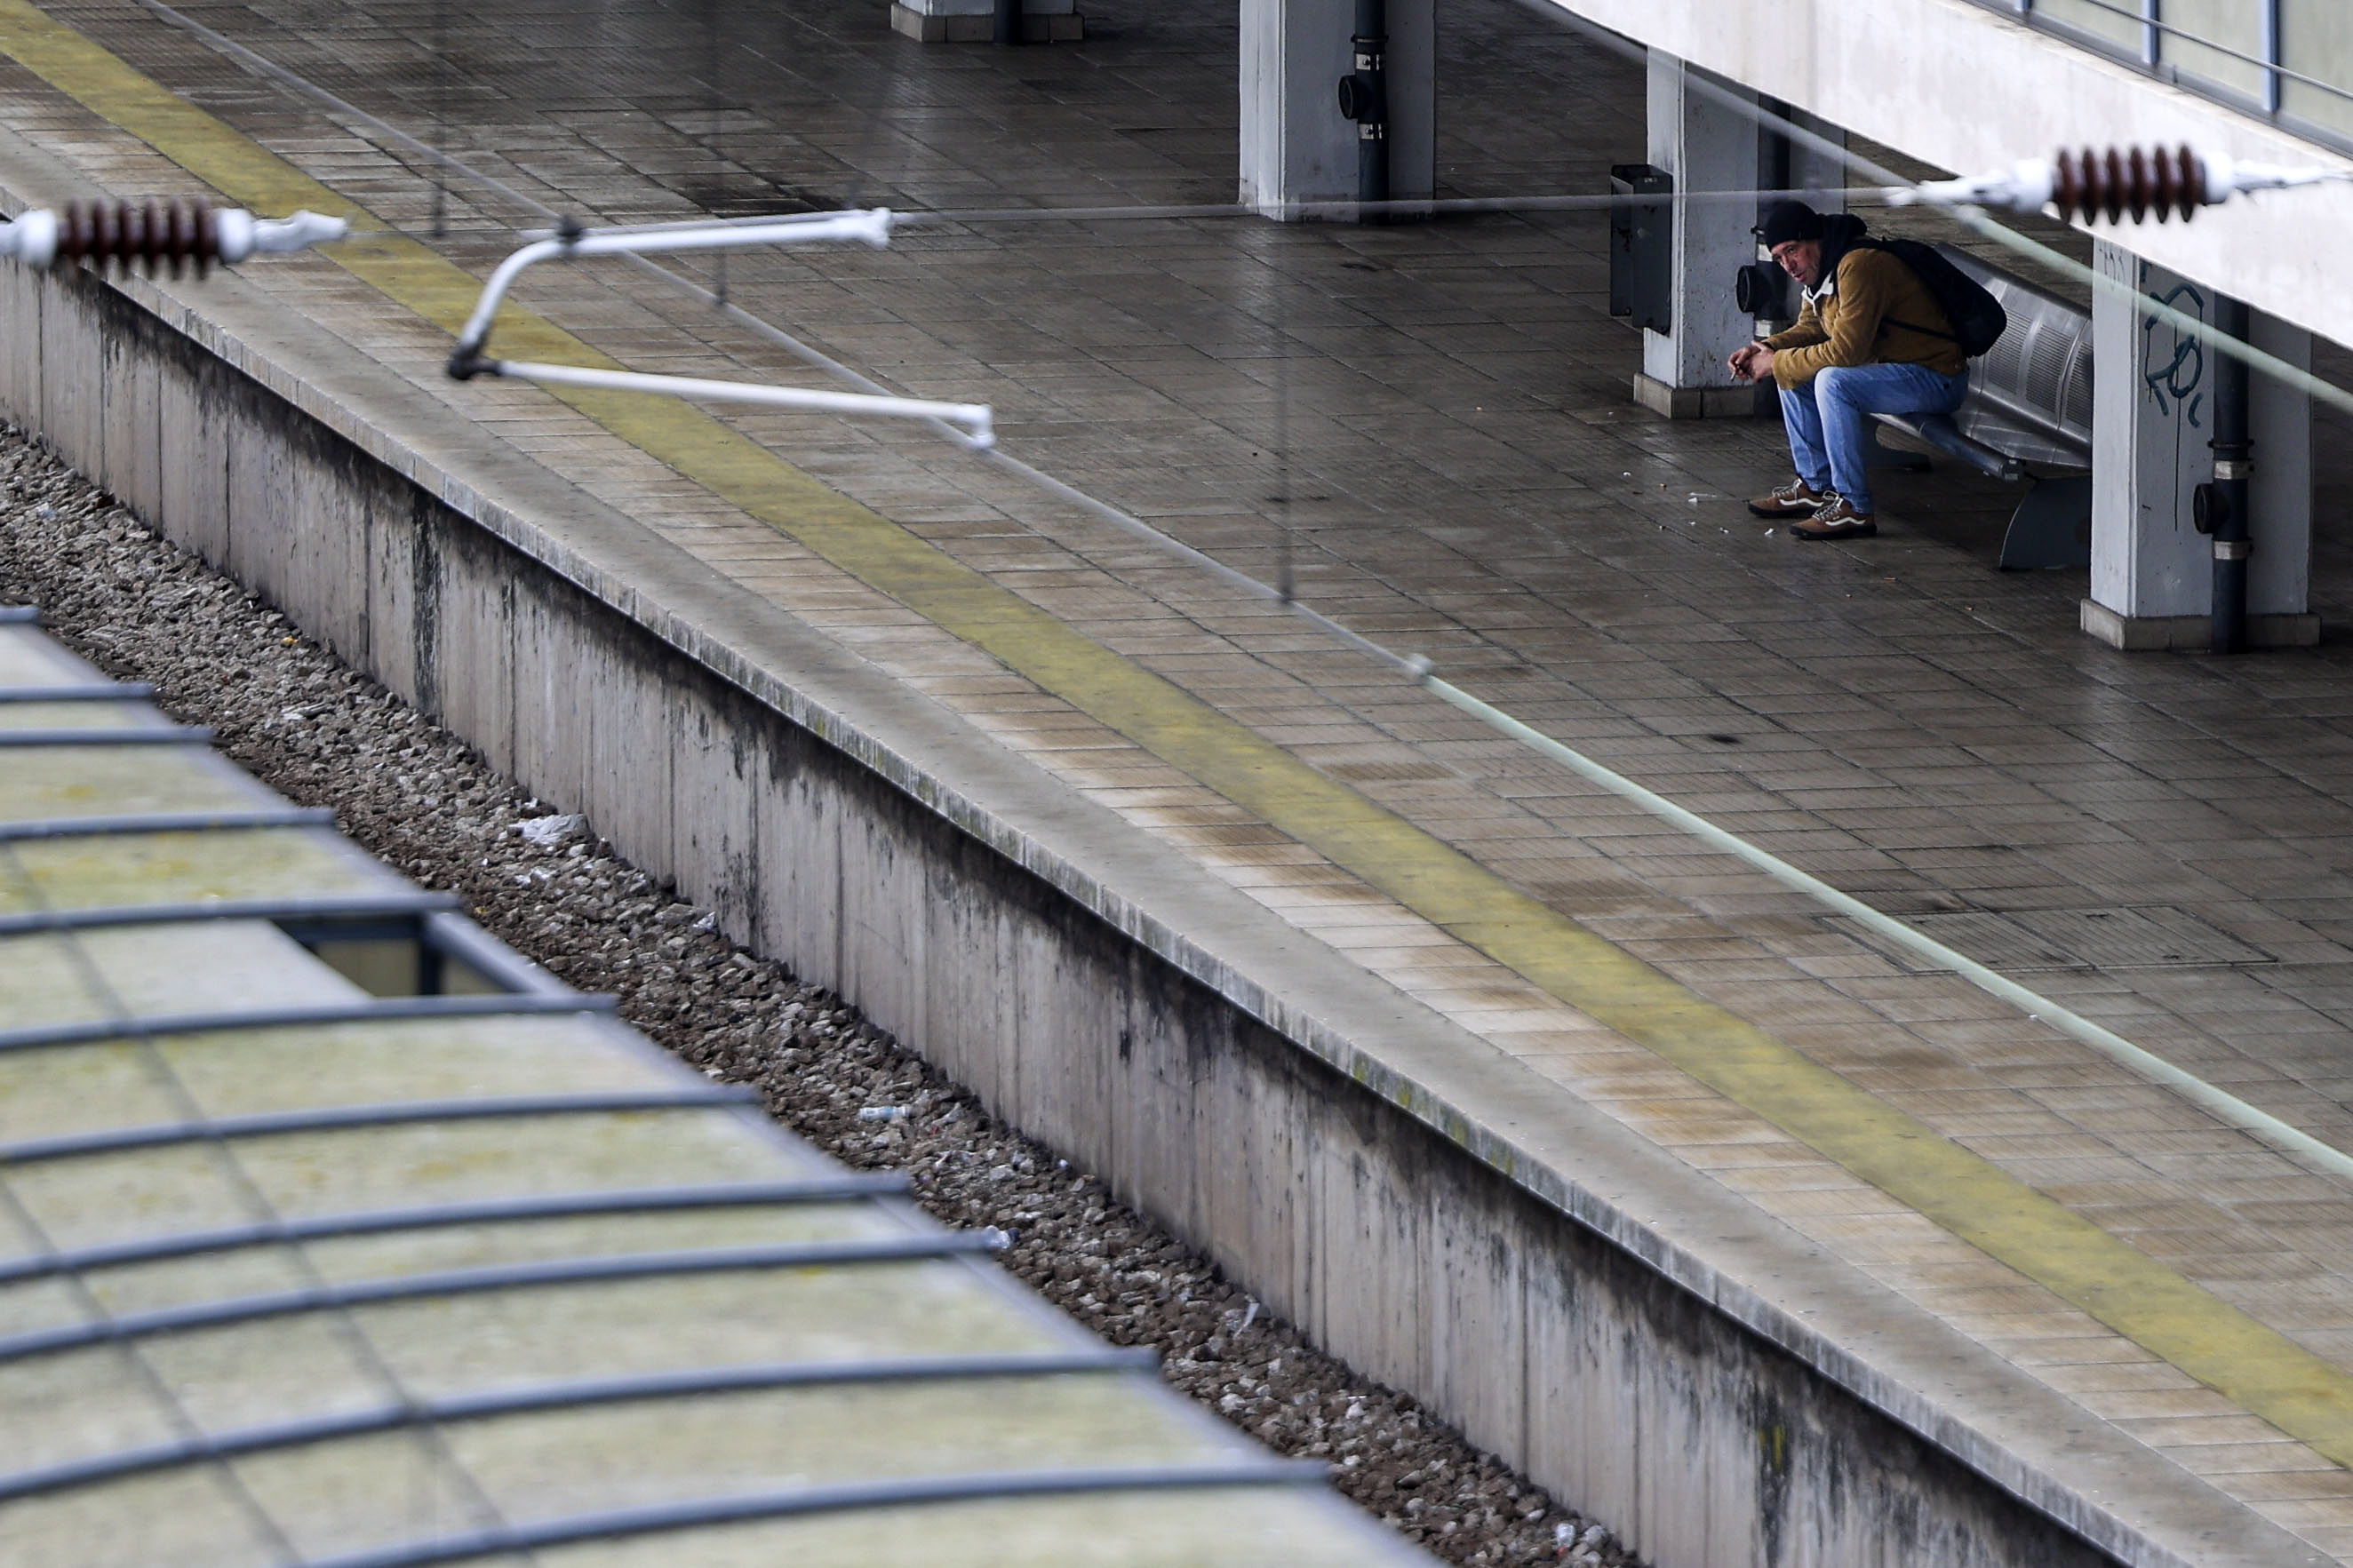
[1871, 340]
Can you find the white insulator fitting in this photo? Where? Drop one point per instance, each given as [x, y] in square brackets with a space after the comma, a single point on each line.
[2226, 175]
[2032, 183]
[301, 231]
[2025, 187]
[242, 235]
[232, 232]
[32, 239]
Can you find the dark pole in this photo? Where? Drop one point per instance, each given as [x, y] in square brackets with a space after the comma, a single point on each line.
[2234, 470]
[1008, 21]
[1372, 116]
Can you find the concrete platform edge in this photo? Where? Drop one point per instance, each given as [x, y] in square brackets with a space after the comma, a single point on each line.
[1718, 1251]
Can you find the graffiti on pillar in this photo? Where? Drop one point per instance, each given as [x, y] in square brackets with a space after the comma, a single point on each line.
[2172, 362]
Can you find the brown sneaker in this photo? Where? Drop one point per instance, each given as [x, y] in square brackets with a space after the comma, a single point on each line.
[1836, 518]
[1791, 500]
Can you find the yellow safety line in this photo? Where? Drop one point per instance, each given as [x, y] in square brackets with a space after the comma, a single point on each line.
[2258, 1368]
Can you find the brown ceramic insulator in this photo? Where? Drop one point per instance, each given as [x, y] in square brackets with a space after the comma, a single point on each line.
[2092, 185]
[73, 232]
[149, 235]
[183, 239]
[107, 244]
[132, 249]
[2095, 184]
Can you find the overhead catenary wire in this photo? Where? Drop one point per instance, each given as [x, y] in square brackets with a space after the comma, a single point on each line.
[2227, 1107]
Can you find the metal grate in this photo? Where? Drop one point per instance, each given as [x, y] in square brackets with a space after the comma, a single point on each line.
[2157, 936]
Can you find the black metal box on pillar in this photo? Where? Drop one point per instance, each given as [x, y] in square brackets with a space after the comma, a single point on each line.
[1641, 235]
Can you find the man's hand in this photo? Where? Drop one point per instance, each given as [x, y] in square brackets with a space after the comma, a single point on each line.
[1750, 363]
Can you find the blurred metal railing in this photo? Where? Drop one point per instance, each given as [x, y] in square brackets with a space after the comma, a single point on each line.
[2274, 61]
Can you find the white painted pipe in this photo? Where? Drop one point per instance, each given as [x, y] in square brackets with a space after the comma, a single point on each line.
[974, 416]
[871, 227]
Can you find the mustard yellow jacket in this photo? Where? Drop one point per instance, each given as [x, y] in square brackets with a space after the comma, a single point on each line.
[1867, 316]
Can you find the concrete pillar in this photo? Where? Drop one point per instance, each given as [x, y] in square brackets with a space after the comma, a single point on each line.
[1817, 176]
[1295, 147]
[974, 21]
[2279, 574]
[1707, 145]
[2152, 571]
[1785, 163]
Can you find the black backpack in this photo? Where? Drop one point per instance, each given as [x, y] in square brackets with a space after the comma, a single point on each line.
[1978, 321]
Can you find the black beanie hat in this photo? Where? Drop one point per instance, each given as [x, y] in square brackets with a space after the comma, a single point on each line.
[1785, 221]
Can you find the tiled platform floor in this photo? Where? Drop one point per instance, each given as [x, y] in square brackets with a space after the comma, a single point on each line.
[1428, 425]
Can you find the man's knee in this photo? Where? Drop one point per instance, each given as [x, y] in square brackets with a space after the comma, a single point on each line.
[1834, 383]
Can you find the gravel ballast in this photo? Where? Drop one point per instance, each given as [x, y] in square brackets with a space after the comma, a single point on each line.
[295, 716]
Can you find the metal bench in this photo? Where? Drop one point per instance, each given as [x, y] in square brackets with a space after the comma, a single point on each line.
[2029, 402]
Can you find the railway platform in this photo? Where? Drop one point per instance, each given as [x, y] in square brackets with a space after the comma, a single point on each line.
[2064, 1274]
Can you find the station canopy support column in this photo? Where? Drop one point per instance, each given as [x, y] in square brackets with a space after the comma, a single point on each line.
[1297, 151]
[974, 21]
[1704, 144]
[2152, 571]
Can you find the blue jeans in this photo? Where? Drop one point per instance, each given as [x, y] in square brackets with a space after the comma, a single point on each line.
[1829, 419]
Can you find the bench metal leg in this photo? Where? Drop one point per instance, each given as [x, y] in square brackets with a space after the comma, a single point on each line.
[2051, 527]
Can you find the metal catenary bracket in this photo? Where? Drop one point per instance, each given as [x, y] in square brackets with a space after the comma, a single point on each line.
[470, 358]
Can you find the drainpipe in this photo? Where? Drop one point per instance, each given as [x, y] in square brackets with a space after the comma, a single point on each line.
[1364, 97]
[2224, 502]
